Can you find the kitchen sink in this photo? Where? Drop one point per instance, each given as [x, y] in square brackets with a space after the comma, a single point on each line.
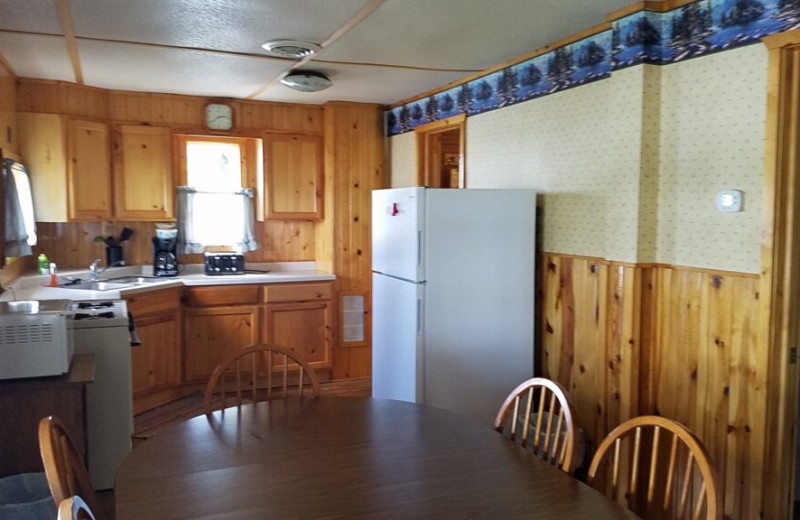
[98, 286]
[135, 279]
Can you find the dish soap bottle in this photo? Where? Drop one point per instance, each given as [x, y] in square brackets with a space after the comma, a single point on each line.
[53, 278]
[44, 264]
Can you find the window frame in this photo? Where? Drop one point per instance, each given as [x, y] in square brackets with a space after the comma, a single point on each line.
[250, 150]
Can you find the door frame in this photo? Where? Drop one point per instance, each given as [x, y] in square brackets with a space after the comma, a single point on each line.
[778, 329]
[429, 132]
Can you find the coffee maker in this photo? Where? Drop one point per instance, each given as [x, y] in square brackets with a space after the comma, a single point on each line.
[165, 252]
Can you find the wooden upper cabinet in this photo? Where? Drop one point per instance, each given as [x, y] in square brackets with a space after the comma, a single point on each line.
[43, 145]
[143, 172]
[88, 170]
[293, 170]
[69, 166]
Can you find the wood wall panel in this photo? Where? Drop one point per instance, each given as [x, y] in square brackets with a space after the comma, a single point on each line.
[353, 168]
[280, 241]
[700, 354]
[682, 343]
[71, 245]
[621, 370]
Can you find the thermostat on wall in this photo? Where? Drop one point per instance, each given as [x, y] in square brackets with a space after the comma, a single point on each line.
[729, 201]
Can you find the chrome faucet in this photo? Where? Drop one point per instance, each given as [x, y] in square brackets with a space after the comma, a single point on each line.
[94, 275]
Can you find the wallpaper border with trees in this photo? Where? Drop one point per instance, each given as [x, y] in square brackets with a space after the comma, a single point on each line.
[690, 31]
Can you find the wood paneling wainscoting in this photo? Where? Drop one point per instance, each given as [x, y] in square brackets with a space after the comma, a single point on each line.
[679, 342]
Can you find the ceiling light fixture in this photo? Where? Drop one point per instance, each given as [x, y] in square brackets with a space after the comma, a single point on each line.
[306, 80]
[294, 49]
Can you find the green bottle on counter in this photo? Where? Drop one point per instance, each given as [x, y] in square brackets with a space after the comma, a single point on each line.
[44, 264]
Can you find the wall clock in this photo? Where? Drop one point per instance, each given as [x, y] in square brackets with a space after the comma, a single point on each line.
[219, 116]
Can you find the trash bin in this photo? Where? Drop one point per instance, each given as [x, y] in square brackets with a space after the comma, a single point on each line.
[26, 496]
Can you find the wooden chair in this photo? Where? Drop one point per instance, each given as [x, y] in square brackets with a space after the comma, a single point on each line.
[264, 361]
[66, 474]
[554, 435]
[675, 464]
[74, 508]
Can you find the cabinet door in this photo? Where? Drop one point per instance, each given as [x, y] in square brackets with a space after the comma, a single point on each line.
[156, 362]
[143, 172]
[89, 170]
[293, 168]
[43, 145]
[211, 333]
[304, 327]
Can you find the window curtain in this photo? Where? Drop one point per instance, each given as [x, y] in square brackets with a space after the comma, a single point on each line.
[215, 218]
[20, 225]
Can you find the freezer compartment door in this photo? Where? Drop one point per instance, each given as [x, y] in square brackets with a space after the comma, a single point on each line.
[396, 338]
[397, 227]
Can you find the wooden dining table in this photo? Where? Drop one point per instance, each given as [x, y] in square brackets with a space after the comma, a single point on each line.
[345, 457]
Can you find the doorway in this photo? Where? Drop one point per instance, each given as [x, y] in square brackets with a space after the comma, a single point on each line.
[440, 153]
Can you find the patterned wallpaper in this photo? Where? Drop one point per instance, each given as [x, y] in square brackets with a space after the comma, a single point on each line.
[635, 180]
[713, 119]
[588, 173]
[696, 29]
[402, 160]
[628, 167]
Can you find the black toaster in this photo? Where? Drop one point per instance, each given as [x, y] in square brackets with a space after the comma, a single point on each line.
[224, 263]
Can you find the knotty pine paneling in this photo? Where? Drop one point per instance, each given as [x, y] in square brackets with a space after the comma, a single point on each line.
[56, 97]
[71, 244]
[280, 241]
[629, 340]
[353, 168]
[700, 356]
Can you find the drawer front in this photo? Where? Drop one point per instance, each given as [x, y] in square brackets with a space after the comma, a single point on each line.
[297, 292]
[221, 295]
[154, 301]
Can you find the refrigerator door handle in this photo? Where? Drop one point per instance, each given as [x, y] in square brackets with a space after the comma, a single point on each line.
[419, 316]
[419, 248]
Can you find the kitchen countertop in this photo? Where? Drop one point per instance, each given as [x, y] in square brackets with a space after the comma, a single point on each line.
[33, 287]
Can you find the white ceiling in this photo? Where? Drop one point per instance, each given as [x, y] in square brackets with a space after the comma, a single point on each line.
[375, 51]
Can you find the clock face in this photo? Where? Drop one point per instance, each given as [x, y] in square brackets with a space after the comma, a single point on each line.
[219, 116]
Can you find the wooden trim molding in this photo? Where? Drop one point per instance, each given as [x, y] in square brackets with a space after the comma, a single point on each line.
[7, 66]
[780, 270]
[69, 34]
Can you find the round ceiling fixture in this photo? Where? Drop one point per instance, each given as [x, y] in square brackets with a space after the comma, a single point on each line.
[294, 49]
[306, 80]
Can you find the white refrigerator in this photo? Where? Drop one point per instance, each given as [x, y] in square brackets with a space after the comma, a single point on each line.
[452, 296]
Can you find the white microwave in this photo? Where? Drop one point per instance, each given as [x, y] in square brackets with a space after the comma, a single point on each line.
[35, 341]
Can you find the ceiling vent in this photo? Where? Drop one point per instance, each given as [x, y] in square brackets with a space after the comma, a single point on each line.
[294, 49]
[306, 80]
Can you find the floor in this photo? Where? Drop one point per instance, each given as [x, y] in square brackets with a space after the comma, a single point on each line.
[359, 387]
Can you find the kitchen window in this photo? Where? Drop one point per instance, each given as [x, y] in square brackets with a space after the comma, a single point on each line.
[215, 200]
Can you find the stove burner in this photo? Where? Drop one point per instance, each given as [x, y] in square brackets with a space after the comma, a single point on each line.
[95, 305]
[84, 316]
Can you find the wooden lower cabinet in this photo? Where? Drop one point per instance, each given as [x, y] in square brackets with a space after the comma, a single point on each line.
[211, 333]
[304, 327]
[156, 363]
[187, 332]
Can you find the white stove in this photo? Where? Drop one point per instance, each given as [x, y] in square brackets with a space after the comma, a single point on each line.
[101, 328]
[94, 314]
